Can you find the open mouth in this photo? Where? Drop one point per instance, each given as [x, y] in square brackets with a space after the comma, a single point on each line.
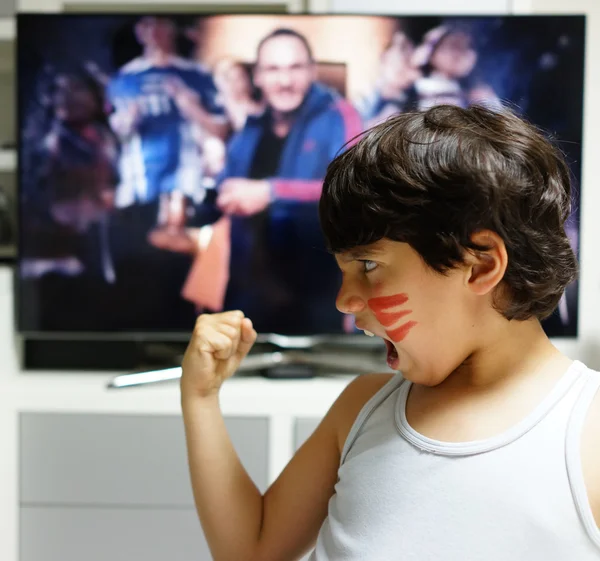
[393, 360]
[392, 355]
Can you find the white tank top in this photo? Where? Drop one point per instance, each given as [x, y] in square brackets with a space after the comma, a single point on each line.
[519, 496]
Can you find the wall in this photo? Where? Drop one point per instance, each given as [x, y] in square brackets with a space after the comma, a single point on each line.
[588, 347]
[106, 5]
[422, 7]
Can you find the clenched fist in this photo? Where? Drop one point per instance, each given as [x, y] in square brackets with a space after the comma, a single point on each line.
[218, 345]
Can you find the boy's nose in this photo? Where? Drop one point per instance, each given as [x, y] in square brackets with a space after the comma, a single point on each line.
[349, 303]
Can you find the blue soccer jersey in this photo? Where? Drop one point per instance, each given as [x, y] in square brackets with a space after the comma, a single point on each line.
[160, 154]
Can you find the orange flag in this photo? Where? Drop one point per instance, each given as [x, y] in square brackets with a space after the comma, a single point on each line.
[207, 280]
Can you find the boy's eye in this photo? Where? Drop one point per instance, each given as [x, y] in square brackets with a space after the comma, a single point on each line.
[368, 265]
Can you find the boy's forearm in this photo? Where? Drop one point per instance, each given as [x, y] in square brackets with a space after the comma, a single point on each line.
[229, 504]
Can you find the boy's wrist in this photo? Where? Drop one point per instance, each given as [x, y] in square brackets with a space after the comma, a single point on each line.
[192, 399]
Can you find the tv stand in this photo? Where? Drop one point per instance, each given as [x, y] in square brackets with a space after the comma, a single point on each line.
[278, 364]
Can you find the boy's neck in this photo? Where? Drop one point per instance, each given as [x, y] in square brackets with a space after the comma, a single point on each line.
[515, 348]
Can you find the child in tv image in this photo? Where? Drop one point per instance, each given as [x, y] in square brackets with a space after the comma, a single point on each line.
[447, 58]
[234, 83]
[436, 71]
[395, 91]
[483, 444]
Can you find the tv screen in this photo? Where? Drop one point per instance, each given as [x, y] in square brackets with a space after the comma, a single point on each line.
[172, 165]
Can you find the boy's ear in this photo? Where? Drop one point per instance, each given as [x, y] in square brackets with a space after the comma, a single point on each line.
[485, 269]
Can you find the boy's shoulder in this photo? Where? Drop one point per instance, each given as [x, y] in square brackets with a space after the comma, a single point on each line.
[354, 397]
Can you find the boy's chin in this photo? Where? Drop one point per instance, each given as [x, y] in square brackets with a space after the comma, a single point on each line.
[419, 375]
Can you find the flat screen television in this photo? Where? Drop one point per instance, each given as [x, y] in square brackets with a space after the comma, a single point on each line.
[165, 171]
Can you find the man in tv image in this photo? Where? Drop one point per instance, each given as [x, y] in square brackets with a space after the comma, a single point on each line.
[271, 185]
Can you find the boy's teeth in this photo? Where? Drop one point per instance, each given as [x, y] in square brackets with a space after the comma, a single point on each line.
[368, 333]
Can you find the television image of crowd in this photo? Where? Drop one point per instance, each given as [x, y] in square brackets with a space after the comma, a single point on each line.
[171, 166]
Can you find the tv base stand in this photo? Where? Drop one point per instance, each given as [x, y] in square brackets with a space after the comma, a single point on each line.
[278, 364]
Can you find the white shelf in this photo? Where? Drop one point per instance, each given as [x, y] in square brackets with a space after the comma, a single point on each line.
[8, 160]
[7, 29]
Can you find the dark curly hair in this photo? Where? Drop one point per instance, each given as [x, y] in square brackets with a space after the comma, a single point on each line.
[433, 178]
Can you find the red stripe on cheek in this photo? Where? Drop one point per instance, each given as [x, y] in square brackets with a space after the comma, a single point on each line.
[388, 319]
[380, 303]
[401, 332]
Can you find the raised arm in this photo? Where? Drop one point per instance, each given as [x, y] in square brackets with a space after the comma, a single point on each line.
[239, 522]
[197, 102]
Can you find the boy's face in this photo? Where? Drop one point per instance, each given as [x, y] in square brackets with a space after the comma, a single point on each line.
[426, 319]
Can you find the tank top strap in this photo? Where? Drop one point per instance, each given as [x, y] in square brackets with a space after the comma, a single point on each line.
[570, 381]
[575, 428]
[378, 398]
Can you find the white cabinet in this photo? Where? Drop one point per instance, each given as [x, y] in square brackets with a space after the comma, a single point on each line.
[303, 429]
[116, 487]
[110, 534]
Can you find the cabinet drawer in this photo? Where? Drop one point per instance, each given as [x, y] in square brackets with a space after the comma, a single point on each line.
[81, 459]
[107, 534]
[303, 429]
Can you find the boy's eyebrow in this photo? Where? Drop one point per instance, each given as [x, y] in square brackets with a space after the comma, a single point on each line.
[363, 252]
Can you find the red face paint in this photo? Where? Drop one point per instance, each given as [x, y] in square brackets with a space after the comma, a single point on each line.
[381, 306]
[390, 318]
[401, 332]
[381, 303]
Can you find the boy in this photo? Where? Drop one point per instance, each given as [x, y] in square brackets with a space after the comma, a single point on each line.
[448, 226]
